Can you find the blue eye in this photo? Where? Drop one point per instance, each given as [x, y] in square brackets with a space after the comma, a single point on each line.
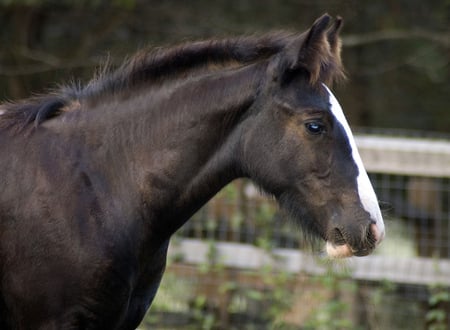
[315, 128]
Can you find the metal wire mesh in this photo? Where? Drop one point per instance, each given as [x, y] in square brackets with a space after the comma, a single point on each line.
[405, 285]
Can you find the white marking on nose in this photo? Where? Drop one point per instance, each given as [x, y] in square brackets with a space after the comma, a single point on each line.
[365, 190]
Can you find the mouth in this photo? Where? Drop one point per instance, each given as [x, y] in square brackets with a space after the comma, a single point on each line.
[344, 251]
[338, 251]
[338, 247]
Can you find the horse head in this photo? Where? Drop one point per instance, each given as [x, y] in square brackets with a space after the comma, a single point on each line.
[300, 148]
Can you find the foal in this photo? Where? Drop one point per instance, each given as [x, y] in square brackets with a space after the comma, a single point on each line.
[95, 180]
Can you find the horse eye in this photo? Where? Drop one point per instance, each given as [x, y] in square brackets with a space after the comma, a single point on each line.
[315, 128]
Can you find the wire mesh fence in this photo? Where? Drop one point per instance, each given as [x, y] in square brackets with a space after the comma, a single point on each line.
[241, 264]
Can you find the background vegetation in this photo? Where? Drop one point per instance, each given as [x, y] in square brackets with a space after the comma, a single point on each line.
[396, 51]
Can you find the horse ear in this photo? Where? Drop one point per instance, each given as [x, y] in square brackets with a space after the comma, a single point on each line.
[333, 38]
[311, 50]
[317, 52]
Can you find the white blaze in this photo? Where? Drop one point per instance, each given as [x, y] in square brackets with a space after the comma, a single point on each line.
[365, 190]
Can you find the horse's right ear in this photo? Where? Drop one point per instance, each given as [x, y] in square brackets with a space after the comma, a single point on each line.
[312, 51]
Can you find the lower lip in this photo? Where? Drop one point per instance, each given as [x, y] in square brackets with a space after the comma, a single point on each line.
[338, 251]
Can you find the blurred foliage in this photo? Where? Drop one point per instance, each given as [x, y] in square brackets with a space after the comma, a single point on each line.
[437, 316]
[396, 52]
[218, 297]
[69, 3]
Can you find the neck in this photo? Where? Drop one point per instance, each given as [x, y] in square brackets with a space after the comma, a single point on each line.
[180, 151]
[206, 144]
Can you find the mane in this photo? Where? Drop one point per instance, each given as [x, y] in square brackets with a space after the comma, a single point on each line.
[161, 65]
[155, 67]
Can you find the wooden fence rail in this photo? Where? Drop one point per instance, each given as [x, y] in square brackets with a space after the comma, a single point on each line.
[419, 271]
[405, 156]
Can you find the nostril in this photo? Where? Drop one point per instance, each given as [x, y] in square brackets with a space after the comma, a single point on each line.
[375, 233]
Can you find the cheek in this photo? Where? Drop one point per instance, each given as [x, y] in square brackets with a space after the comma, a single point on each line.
[270, 161]
[322, 167]
[318, 159]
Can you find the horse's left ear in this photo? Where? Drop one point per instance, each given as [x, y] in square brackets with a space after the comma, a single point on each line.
[334, 40]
